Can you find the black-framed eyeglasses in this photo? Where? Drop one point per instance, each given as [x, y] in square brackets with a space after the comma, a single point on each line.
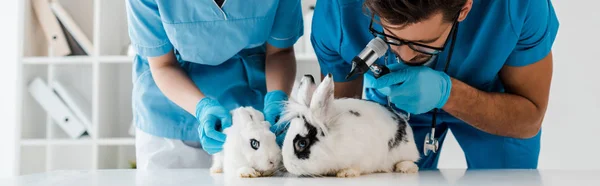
[429, 51]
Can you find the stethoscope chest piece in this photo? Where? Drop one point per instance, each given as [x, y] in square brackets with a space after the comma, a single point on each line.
[431, 144]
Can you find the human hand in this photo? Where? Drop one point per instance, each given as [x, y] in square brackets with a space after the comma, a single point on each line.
[212, 117]
[272, 111]
[416, 89]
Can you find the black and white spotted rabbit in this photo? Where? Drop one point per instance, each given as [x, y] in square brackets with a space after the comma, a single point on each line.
[344, 137]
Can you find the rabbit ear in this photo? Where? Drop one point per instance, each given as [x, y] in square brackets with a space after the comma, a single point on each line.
[306, 89]
[255, 115]
[323, 96]
[245, 116]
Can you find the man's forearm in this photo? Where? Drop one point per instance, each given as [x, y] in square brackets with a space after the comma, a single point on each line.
[280, 68]
[501, 114]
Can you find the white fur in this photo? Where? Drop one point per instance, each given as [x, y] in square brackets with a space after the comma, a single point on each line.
[352, 145]
[238, 158]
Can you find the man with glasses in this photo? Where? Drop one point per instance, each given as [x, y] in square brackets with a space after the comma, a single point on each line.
[480, 68]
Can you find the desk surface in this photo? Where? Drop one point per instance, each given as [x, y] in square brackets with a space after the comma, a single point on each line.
[203, 177]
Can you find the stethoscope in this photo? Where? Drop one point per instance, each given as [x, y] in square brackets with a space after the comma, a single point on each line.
[431, 144]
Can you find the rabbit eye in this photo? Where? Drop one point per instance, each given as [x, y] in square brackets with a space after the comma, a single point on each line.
[254, 144]
[301, 144]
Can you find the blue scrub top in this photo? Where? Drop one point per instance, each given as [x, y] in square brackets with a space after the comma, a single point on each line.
[494, 34]
[222, 49]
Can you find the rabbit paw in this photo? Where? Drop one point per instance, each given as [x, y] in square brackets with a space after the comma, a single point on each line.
[406, 167]
[349, 172]
[267, 173]
[216, 169]
[247, 172]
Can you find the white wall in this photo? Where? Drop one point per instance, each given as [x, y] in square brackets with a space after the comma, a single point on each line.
[8, 75]
[572, 121]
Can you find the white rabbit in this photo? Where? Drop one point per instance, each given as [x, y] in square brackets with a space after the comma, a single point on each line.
[344, 137]
[250, 149]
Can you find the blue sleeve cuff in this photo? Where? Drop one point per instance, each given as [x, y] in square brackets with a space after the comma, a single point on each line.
[153, 51]
[524, 55]
[537, 30]
[285, 42]
[145, 28]
[288, 25]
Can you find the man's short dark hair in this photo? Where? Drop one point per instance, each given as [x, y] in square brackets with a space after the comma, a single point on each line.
[401, 12]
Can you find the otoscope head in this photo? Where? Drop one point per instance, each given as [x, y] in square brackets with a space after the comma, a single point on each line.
[375, 49]
[359, 66]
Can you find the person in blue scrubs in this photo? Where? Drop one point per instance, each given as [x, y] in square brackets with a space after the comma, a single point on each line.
[196, 61]
[493, 93]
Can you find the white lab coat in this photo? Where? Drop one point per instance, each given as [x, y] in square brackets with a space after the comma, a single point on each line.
[154, 152]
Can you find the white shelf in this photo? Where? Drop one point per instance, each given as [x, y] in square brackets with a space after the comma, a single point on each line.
[34, 142]
[77, 60]
[57, 142]
[103, 78]
[58, 60]
[115, 59]
[40, 142]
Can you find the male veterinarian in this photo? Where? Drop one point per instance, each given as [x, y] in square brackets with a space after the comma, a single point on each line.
[492, 96]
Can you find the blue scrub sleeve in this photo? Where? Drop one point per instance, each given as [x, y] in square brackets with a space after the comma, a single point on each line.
[536, 26]
[326, 39]
[148, 37]
[288, 25]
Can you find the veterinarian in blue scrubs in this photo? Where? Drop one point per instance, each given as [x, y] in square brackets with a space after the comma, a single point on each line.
[494, 93]
[196, 61]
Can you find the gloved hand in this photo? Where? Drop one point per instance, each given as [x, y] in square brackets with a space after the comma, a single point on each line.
[272, 111]
[416, 89]
[213, 118]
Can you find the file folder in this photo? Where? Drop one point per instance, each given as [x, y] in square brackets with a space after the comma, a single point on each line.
[55, 108]
[52, 29]
[71, 27]
[78, 105]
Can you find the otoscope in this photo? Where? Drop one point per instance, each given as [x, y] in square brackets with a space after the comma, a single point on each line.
[365, 60]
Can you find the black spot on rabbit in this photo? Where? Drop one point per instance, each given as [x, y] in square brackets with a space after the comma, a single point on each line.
[312, 79]
[302, 144]
[400, 132]
[354, 113]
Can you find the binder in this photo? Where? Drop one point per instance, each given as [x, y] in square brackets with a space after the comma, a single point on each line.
[70, 25]
[56, 109]
[52, 30]
[76, 49]
[78, 105]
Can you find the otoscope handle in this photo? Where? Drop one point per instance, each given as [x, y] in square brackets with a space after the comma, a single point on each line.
[379, 70]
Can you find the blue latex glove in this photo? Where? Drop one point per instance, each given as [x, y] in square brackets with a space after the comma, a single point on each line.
[272, 111]
[416, 89]
[213, 119]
